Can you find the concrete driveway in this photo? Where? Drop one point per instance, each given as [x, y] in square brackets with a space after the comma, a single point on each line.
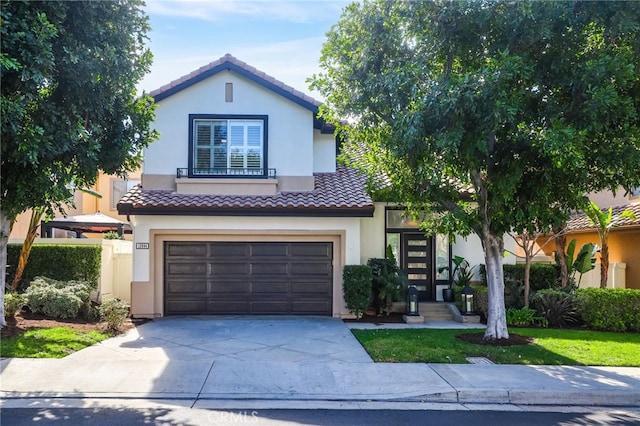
[251, 339]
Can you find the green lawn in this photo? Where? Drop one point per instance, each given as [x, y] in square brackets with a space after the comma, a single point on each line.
[551, 347]
[55, 342]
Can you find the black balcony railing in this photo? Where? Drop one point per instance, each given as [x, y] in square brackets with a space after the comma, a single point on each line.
[225, 173]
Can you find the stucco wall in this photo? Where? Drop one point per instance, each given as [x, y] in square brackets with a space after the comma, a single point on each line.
[372, 235]
[470, 248]
[290, 126]
[624, 247]
[324, 153]
[608, 199]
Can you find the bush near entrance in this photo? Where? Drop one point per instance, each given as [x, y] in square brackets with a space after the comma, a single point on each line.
[357, 288]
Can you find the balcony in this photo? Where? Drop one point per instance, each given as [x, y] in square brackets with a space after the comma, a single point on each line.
[226, 181]
[253, 173]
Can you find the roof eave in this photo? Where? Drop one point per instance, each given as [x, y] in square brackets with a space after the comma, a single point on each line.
[365, 211]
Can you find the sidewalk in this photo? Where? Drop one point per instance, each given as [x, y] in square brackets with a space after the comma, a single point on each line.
[176, 362]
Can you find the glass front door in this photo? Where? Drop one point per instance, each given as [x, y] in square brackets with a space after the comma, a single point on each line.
[416, 262]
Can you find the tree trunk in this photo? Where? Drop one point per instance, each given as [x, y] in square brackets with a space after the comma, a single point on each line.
[527, 277]
[25, 251]
[496, 316]
[604, 264]
[561, 255]
[5, 230]
[528, 245]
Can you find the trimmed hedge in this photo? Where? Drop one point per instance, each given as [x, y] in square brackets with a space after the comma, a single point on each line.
[610, 309]
[357, 288]
[57, 261]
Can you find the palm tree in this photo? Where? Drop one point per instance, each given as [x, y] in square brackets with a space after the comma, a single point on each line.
[604, 221]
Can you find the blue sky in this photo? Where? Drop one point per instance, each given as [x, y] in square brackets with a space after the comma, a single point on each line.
[283, 38]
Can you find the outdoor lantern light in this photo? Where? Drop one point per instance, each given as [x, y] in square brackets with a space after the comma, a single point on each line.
[467, 300]
[412, 301]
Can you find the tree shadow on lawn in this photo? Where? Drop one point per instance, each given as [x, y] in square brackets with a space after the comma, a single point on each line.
[513, 340]
[525, 346]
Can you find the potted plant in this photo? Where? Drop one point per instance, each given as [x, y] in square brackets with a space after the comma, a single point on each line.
[461, 276]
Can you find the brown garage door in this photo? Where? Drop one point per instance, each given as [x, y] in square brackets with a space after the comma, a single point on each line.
[259, 278]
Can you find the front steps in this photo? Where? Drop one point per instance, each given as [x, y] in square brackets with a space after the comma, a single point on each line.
[436, 311]
[439, 312]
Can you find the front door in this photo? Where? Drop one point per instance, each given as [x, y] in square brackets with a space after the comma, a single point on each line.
[416, 262]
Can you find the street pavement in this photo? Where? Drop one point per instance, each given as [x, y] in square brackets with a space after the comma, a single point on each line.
[287, 362]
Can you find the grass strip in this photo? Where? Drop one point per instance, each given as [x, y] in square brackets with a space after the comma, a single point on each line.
[551, 347]
[56, 342]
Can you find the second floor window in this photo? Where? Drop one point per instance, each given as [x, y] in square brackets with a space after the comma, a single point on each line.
[228, 147]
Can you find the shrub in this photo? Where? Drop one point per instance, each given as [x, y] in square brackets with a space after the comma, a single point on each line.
[90, 312]
[524, 317]
[13, 302]
[113, 235]
[610, 309]
[357, 288]
[58, 299]
[557, 307]
[388, 283]
[481, 298]
[513, 292]
[58, 261]
[114, 312]
[542, 276]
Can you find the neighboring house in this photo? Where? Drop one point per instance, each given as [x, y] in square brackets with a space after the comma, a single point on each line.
[624, 240]
[110, 187]
[243, 210]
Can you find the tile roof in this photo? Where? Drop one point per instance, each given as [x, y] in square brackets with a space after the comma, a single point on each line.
[340, 194]
[229, 62]
[580, 222]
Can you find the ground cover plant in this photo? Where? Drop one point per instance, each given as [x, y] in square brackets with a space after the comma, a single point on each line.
[536, 346]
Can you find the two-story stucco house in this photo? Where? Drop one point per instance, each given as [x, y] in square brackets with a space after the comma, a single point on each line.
[243, 210]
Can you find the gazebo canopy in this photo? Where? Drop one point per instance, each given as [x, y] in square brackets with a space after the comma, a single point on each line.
[94, 223]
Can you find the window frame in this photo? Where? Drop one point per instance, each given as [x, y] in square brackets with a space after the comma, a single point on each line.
[229, 117]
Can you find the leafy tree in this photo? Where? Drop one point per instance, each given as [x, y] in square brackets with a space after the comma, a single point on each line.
[528, 242]
[604, 221]
[497, 116]
[69, 104]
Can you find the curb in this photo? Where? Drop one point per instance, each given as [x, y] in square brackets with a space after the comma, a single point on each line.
[460, 397]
